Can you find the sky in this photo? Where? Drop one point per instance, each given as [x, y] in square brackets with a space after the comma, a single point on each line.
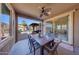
[5, 19]
[28, 21]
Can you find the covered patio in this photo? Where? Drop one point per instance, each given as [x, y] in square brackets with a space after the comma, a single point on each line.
[57, 23]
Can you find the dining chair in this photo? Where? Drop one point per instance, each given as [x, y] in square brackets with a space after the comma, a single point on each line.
[33, 45]
[53, 49]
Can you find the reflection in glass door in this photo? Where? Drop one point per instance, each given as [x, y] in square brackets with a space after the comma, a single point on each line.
[5, 28]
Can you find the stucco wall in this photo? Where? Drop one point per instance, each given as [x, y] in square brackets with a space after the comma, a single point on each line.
[76, 28]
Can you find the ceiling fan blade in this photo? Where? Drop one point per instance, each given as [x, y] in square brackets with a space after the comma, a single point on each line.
[46, 14]
[43, 8]
[45, 11]
[41, 15]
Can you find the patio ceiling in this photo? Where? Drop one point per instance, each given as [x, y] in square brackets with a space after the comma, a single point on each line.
[32, 10]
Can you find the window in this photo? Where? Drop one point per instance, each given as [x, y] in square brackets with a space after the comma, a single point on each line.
[4, 22]
[48, 27]
[61, 28]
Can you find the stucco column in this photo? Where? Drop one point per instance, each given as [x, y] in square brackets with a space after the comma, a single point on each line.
[53, 28]
[43, 29]
[16, 27]
[70, 28]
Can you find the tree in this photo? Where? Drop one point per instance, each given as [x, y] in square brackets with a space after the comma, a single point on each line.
[24, 25]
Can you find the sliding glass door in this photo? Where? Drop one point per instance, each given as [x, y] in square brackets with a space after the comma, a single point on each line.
[5, 26]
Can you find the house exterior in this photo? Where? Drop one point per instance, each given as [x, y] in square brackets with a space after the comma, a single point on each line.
[4, 28]
[22, 28]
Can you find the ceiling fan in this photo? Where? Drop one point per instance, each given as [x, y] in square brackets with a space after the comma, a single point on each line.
[45, 11]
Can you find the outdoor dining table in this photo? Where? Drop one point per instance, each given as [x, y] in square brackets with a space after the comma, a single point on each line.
[43, 41]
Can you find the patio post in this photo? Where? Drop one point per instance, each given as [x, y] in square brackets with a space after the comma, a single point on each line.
[43, 27]
[16, 27]
[53, 27]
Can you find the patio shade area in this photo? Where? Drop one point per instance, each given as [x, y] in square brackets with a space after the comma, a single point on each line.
[39, 29]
